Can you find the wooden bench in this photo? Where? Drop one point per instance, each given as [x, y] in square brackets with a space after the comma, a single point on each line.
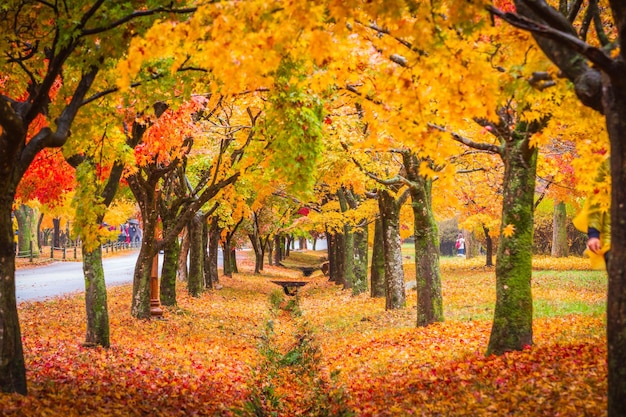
[290, 287]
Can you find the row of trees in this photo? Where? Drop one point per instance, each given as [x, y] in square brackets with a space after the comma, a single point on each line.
[407, 102]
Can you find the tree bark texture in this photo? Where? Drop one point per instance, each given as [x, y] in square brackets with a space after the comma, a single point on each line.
[377, 272]
[512, 322]
[560, 247]
[95, 299]
[614, 102]
[359, 265]
[348, 236]
[395, 293]
[183, 270]
[427, 275]
[214, 244]
[171, 255]
[27, 222]
[488, 248]
[195, 282]
[332, 256]
[12, 367]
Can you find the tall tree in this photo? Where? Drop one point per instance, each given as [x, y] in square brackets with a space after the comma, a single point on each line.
[596, 68]
[73, 44]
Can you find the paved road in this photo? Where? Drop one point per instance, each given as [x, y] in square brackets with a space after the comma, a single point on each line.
[67, 277]
[62, 278]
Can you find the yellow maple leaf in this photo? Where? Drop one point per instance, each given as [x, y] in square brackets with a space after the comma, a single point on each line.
[508, 231]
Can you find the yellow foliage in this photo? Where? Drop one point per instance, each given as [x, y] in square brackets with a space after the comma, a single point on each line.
[508, 230]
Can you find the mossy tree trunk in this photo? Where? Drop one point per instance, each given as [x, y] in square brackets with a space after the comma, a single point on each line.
[395, 293]
[171, 256]
[95, 299]
[512, 322]
[183, 256]
[360, 248]
[195, 279]
[348, 244]
[560, 247]
[377, 269]
[213, 253]
[426, 234]
[27, 222]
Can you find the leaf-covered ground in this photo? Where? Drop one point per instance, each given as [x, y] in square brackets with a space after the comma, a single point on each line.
[249, 350]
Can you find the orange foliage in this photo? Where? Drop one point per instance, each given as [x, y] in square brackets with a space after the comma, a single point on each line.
[214, 355]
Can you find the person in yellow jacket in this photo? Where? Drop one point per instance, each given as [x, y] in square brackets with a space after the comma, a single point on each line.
[595, 220]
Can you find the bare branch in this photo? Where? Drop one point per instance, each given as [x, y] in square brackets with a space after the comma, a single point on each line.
[487, 147]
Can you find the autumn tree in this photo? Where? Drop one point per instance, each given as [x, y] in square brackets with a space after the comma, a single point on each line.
[42, 42]
[594, 63]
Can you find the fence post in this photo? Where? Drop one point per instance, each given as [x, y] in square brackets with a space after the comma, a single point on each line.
[31, 251]
[52, 251]
[64, 250]
[75, 253]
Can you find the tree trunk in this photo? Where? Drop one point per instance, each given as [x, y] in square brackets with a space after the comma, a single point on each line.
[340, 259]
[332, 256]
[614, 101]
[27, 218]
[395, 292]
[488, 248]
[226, 257]
[95, 299]
[378, 261]
[12, 367]
[348, 244]
[214, 243]
[512, 322]
[427, 275]
[270, 252]
[359, 264]
[171, 256]
[278, 248]
[560, 246]
[233, 260]
[183, 256]
[195, 282]
[56, 234]
[258, 253]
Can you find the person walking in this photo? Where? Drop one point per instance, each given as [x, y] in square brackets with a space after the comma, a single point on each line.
[460, 245]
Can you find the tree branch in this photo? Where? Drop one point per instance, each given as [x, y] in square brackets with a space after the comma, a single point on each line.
[487, 147]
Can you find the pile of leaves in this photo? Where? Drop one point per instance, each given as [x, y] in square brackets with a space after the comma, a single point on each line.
[249, 350]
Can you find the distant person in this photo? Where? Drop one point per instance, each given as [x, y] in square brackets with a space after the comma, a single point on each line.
[460, 245]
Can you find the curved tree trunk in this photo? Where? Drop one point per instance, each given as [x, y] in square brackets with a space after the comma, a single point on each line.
[378, 261]
[395, 293]
[512, 322]
[95, 299]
